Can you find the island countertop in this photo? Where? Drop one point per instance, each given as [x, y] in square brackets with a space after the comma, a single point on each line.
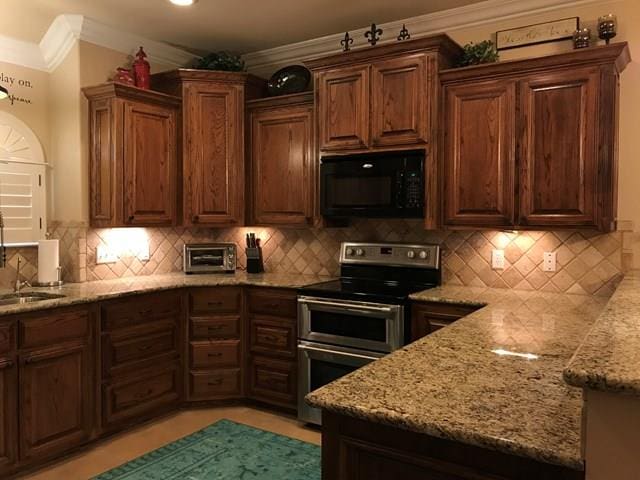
[87, 292]
[608, 359]
[492, 379]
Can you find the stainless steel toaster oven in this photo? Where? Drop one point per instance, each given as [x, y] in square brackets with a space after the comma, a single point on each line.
[209, 257]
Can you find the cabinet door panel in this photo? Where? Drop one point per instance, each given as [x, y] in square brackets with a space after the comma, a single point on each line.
[343, 104]
[479, 154]
[8, 414]
[55, 398]
[559, 148]
[272, 381]
[214, 163]
[102, 169]
[399, 104]
[281, 151]
[149, 164]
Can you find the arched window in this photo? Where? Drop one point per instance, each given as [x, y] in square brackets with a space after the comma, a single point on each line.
[22, 182]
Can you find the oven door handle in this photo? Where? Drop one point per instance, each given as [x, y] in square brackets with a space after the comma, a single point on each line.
[334, 352]
[347, 306]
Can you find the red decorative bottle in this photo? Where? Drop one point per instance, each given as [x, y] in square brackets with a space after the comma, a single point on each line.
[142, 70]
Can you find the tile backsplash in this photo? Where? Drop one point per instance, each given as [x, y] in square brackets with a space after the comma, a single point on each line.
[587, 262]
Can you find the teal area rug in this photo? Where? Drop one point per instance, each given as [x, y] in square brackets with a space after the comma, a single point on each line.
[224, 451]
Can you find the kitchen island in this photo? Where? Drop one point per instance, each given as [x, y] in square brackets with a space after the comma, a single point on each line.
[483, 398]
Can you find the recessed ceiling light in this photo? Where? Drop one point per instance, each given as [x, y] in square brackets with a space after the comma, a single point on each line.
[183, 3]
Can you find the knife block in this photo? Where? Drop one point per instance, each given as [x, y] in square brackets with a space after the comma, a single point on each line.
[254, 260]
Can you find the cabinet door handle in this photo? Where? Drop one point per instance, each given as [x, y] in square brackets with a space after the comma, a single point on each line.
[214, 304]
[215, 328]
[215, 383]
[214, 355]
[145, 313]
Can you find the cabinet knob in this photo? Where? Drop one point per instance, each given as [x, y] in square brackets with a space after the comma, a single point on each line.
[195, 218]
[131, 217]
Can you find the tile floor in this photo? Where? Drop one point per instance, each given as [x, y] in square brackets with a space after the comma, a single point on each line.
[125, 447]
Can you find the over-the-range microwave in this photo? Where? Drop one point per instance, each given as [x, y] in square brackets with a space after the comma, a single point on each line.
[380, 185]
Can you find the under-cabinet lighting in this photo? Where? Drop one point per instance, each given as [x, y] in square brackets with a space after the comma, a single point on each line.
[502, 352]
[183, 3]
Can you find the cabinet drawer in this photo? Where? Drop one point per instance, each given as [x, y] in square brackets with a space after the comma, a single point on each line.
[272, 381]
[216, 384]
[215, 354]
[140, 309]
[55, 327]
[221, 327]
[119, 352]
[273, 336]
[7, 337]
[278, 303]
[141, 396]
[215, 300]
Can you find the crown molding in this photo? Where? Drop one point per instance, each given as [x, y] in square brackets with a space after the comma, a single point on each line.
[18, 52]
[66, 30]
[489, 11]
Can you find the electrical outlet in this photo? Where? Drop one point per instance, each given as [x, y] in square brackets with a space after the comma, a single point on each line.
[105, 255]
[549, 262]
[497, 259]
[143, 252]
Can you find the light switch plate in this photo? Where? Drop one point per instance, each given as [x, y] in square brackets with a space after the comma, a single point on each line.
[497, 259]
[105, 255]
[549, 262]
[143, 252]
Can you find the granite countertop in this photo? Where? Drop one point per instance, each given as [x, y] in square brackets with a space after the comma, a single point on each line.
[609, 357]
[458, 383]
[78, 293]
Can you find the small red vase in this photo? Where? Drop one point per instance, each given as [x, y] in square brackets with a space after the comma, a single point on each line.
[142, 70]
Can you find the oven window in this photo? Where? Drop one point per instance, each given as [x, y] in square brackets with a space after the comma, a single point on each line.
[359, 191]
[321, 373]
[214, 258]
[345, 325]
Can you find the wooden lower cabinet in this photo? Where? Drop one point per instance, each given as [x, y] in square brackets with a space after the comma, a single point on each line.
[271, 339]
[56, 382]
[8, 417]
[354, 449]
[429, 317]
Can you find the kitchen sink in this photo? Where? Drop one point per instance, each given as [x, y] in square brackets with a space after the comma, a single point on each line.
[27, 297]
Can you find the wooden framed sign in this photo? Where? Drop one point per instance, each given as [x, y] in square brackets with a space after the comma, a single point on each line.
[538, 33]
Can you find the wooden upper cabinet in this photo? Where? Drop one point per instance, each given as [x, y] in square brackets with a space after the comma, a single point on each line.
[559, 148]
[343, 108]
[559, 114]
[380, 97]
[479, 154]
[150, 164]
[281, 160]
[213, 142]
[133, 157]
[399, 110]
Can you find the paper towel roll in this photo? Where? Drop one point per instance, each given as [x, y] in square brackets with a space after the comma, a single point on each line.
[48, 260]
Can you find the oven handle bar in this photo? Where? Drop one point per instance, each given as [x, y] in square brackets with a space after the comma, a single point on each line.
[334, 352]
[348, 306]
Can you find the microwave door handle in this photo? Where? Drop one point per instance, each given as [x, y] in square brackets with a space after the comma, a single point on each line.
[333, 352]
[347, 306]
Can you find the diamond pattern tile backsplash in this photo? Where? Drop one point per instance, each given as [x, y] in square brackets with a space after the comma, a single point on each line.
[587, 262]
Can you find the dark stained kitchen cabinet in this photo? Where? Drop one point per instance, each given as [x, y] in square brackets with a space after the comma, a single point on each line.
[8, 398]
[212, 142]
[429, 317]
[56, 382]
[479, 150]
[215, 344]
[281, 160]
[559, 147]
[134, 156]
[532, 144]
[380, 97]
[399, 100]
[272, 344]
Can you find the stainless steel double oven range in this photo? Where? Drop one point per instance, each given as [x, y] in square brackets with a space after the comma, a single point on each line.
[347, 323]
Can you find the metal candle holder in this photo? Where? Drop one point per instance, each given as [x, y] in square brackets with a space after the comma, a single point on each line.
[607, 27]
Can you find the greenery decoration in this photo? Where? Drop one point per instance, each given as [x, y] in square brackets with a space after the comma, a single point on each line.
[477, 53]
[223, 60]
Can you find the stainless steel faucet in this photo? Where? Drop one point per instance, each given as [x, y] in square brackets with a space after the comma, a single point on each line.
[18, 285]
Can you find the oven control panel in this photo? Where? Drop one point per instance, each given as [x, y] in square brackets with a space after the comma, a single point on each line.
[398, 254]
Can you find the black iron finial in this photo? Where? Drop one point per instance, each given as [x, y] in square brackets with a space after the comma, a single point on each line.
[404, 33]
[373, 35]
[346, 42]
